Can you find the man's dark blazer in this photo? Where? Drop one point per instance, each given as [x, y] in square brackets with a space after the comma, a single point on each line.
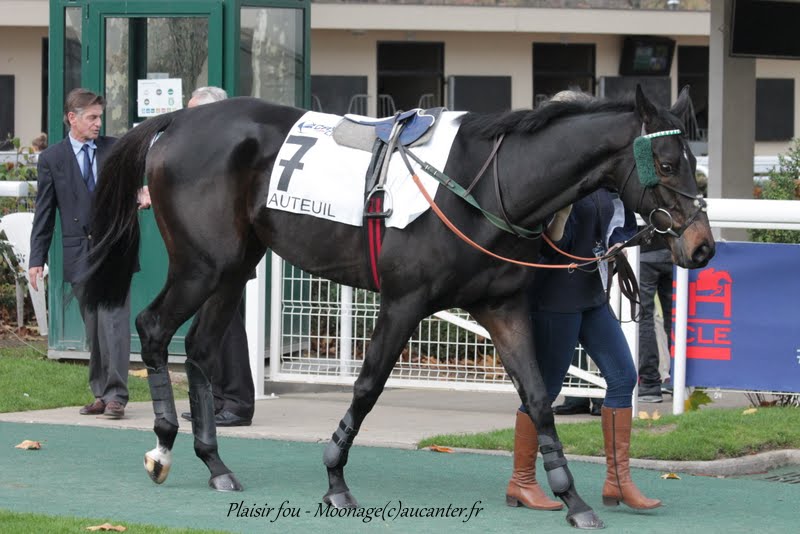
[61, 185]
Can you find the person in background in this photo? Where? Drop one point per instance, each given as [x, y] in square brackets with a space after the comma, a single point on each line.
[67, 177]
[39, 142]
[655, 278]
[232, 385]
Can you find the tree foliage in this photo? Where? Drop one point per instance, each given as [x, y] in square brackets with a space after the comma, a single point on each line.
[783, 184]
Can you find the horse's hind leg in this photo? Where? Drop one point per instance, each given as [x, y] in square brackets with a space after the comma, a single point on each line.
[156, 325]
[395, 324]
[512, 334]
[203, 350]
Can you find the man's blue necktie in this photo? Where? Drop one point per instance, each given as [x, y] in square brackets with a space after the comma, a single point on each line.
[88, 173]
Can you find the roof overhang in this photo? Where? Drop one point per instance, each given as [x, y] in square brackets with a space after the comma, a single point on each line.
[405, 17]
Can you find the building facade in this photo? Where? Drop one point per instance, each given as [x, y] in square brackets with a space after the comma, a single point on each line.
[376, 56]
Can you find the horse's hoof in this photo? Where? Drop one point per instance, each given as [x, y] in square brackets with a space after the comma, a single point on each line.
[340, 500]
[587, 520]
[226, 482]
[157, 465]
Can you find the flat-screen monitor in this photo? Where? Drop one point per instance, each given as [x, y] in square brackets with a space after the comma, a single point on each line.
[765, 28]
[646, 56]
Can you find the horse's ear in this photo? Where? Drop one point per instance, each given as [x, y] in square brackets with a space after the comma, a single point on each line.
[683, 104]
[644, 108]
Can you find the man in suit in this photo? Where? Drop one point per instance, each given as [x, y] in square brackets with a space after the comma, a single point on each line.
[232, 383]
[67, 178]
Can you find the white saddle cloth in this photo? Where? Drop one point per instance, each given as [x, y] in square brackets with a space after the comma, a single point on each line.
[313, 175]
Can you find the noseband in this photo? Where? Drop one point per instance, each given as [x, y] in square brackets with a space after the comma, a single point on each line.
[645, 164]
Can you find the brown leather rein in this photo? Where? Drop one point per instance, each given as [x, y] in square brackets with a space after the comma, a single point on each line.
[447, 222]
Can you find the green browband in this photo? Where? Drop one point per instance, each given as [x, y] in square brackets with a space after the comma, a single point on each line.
[643, 155]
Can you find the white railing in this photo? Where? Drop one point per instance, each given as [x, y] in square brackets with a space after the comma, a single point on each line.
[761, 166]
[340, 366]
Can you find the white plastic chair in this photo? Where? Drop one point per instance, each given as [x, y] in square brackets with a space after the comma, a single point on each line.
[17, 227]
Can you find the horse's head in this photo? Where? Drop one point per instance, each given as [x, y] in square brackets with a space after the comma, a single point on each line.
[662, 187]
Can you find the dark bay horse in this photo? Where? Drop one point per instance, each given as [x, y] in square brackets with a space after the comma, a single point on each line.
[208, 174]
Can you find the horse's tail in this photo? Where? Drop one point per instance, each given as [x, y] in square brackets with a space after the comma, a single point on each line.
[114, 255]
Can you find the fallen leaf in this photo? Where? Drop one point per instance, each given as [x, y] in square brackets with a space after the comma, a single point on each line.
[656, 415]
[29, 445]
[670, 476]
[108, 526]
[644, 415]
[439, 448]
[697, 399]
[140, 373]
[750, 411]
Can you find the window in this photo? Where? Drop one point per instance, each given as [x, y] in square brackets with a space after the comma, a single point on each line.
[558, 67]
[693, 71]
[338, 94]
[482, 94]
[410, 75]
[6, 111]
[774, 109]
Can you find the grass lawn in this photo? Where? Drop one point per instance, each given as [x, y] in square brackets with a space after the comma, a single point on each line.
[706, 434]
[29, 381]
[37, 523]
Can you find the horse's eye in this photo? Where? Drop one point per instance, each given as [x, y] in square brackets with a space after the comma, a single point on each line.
[666, 168]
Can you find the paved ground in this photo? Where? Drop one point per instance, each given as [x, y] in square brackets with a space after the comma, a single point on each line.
[401, 418]
[91, 466]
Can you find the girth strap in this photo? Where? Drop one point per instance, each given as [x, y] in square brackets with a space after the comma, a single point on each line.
[376, 227]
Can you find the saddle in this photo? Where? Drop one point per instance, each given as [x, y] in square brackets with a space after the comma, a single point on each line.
[355, 131]
[381, 137]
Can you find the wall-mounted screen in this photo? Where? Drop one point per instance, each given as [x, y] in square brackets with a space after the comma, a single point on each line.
[765, 28]
[646, 56]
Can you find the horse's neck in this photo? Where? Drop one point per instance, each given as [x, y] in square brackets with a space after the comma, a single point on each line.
[586, 152]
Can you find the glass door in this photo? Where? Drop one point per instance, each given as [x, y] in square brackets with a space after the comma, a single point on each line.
[129, 43]
[137, 52]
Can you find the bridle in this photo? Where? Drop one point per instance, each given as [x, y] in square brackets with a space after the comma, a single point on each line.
[506, 225]
[642, 162]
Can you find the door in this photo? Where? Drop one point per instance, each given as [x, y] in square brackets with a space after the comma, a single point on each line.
[123, 43]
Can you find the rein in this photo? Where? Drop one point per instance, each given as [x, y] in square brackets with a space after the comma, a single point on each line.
[447, 222]
[642, 148]
[465, 194]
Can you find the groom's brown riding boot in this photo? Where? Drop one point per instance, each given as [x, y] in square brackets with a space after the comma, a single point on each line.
[619, 486]
[523, 490]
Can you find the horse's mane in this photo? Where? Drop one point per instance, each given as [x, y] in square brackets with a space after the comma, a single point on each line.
[530, 121]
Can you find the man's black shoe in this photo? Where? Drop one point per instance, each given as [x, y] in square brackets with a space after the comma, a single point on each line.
[226, 418]
[187, 415]
[571, 408]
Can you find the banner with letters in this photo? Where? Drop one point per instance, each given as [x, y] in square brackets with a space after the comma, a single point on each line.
[743, 329]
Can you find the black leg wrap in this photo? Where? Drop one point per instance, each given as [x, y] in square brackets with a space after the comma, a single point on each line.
[201, 401]
[558, 475]
[161, 393]
[342, 439]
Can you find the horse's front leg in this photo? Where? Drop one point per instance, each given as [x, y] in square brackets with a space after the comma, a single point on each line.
[394, 326]
[510, 326]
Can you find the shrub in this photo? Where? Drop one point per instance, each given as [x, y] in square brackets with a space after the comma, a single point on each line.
[783, 184]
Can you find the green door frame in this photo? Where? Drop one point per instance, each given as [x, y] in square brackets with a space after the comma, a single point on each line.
[67, 332]
[232, 27]
[66, 337]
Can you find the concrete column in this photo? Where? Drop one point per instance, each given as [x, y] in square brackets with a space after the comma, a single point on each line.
[732, 122]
